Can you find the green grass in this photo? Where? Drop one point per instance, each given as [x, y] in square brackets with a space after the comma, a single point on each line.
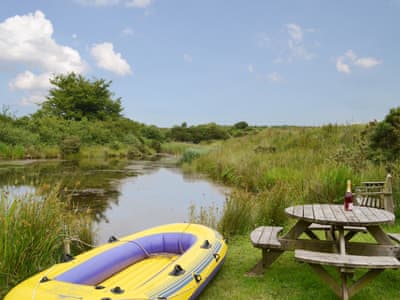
[32, 229]
[285, 279]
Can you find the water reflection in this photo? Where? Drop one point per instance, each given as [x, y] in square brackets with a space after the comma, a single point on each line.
[123, 196]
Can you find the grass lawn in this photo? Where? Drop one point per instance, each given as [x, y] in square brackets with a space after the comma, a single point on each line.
[285, 279]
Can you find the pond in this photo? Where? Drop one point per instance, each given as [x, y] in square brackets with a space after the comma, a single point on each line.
[123, 196]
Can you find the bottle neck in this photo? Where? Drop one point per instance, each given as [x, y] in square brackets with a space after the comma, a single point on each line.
[348, 189]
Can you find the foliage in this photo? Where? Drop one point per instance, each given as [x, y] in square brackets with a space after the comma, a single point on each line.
[152, 132]
[385, 138]
[190, 154]
[74, 97]
[70, 145]
[241, 125]
[32, 228]
[199, 133]
[39, 135]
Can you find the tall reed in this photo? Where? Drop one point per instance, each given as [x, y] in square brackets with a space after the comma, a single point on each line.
[32, 229]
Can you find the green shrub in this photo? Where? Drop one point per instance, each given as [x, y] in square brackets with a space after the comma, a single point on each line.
[385, 138]
[190, 154]
[70, 145]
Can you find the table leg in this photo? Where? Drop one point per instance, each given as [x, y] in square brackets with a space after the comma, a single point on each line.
[268, 257]
[342, 241]
[379, 235]
[300, 227]
[345, 291]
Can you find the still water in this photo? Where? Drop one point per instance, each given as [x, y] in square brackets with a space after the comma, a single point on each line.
[124, 196]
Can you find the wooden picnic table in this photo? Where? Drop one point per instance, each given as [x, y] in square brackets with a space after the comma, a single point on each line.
[340, 252]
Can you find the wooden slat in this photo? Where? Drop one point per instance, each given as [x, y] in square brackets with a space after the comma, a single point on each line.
[256, 234]
[354, 248]
[395, 236]
[308, 212]
[339, 214]
[289, 210]
[327, 212]
[315, 226]
[357, 211]
[318, 212]
[347, 261]
[298, 211]
[266, 236]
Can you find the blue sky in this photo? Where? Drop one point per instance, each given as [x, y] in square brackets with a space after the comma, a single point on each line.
[265, 62]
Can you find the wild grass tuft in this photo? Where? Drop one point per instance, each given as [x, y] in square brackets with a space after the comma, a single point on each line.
[32, 229]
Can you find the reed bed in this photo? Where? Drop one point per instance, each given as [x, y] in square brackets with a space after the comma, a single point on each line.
[32, 229]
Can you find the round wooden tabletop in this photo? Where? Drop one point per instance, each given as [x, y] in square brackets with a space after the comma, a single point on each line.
[334, 214]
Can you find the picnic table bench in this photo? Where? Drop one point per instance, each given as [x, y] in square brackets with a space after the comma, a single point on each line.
[346, 264]
[342, 253]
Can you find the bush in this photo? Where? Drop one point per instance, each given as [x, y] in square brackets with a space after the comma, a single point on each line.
[70, 145]
[189, 155]
[385, 138]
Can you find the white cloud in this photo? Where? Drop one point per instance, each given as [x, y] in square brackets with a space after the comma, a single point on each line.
[297, 48]
[127, 3]
[295, 32]
[341, 66]
[292, 46]
[74, 36]
[274, 77]
[187, 58]
[138, 3]
[30, 81]
[350, 54]
[250, 68]
[109, 60]
[26, 42]
[345, 62]
[367, 62]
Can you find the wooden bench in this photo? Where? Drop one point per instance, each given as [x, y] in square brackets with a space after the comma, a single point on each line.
[395, 236]
[346, 264]
[377, 194]
[266, 238]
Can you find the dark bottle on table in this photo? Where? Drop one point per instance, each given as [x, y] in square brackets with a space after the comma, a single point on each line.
[348, 197]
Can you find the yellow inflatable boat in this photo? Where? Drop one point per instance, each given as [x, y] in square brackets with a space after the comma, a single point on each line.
[174, 261]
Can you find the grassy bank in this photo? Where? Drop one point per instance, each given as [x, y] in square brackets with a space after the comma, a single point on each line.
[32, 229]
[279, 167]
[285, 279]
[274, 169]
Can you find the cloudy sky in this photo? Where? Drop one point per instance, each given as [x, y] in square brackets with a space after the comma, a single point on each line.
[307, 62]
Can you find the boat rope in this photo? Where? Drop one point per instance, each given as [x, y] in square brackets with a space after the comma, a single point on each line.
[180, 240]
[83, 243]
[141, 247]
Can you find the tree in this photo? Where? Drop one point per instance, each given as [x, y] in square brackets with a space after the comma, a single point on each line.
[241, 125]
[75, 97]
[385, 137]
